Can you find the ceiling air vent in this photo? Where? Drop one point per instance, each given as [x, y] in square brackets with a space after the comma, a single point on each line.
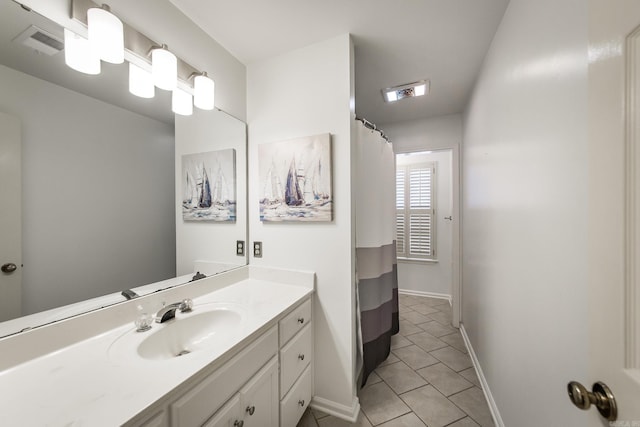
[40, 40]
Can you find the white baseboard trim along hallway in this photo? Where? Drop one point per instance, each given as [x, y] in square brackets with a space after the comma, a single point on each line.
[495, 413]
[347, 413]
[425, 294]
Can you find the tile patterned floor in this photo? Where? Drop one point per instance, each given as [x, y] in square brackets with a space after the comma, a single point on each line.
[427, 380]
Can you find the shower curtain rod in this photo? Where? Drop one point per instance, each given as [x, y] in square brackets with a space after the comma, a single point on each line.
[373, 127]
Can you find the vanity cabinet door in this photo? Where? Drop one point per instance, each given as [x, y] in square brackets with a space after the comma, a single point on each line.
[199, 403]
[158, 420]
[259, 397]
[230, 415]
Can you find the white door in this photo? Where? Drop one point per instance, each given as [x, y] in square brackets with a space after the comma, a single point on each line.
[10, 217]
[614, 209]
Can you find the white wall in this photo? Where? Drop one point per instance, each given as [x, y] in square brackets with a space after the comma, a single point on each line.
[525, 201]
[88, 214]
[432, 278]
[211, 242]
[301, 93]
[427, 134]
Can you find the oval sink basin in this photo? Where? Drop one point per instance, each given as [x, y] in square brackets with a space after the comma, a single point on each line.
[187, 333]
[184, 335]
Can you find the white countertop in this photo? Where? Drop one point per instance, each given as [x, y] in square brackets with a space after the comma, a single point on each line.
[18, 324]
[86, 384]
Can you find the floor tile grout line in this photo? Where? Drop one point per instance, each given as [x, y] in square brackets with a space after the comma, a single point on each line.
[468, 414]
[398, 396]
[455, 421]
[440, 361]
[428, 383]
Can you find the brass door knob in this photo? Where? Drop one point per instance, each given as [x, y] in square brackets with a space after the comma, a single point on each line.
[601, 396]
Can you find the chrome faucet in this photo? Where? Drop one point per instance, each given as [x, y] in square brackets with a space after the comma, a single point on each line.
[168, 312]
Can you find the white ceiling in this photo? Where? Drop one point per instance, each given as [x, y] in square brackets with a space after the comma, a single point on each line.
[396, 42]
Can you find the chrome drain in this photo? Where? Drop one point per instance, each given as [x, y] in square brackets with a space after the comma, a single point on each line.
[183, 352]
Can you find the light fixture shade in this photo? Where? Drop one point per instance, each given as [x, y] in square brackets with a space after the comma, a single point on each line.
[106, 34]
[164, 67]
[204, 92]
[140, 82]
[182, 102]
[420, 90]
[79, 55]
[391, 96]
[409, 90]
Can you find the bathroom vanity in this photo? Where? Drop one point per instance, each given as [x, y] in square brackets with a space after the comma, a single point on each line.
[241, 357]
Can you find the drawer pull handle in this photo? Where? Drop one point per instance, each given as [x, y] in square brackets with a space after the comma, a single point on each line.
[238, 423]
[251, 409]
[301, 402]
[301, 320]
[301, 356]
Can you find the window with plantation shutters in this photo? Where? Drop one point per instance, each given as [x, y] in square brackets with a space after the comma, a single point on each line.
[415, 211]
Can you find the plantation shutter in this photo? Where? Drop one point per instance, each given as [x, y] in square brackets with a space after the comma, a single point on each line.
[415, 211]
[400, 215]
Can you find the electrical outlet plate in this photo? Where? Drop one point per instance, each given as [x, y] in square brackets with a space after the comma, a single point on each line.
[257, 249]
[240, 247]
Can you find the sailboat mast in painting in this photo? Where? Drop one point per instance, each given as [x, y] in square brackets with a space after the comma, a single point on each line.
[304, 166]
[205, 199]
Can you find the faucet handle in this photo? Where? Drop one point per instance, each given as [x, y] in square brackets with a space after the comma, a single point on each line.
[143, 322]
[186, 305]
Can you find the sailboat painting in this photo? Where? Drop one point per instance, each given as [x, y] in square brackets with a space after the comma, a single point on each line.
[295, 179]
[209, 186]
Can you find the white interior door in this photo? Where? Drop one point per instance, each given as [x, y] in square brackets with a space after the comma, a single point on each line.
[10, 217]
[614, 207]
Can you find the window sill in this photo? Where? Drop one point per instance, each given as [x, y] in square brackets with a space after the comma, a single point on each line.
[417, 261]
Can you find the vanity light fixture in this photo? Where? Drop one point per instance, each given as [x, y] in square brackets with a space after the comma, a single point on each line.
[150, 64]
[164, 68]
[79, 55]
[181, 102]
[140, 82]
[203, 92]
[106, 34]
[408, 90]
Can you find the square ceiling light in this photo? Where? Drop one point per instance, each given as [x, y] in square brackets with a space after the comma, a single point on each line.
[408, 90]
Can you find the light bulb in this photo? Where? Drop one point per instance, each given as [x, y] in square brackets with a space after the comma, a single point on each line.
[79, 55]
[164, 67]
[106, 34]
[203, 92]
[141, 82]
[420, 90]
[182, 102]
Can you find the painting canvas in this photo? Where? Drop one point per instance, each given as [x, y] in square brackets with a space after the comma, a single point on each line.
[209, 186]
[295, 179]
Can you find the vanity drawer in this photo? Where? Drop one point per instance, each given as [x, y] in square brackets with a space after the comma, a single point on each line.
[199, 403]
[295, 321]
[296, 401]
[294, 357]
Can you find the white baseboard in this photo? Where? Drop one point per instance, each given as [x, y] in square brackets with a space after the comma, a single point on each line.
[495, 413]
[347, 413]
[425, 294]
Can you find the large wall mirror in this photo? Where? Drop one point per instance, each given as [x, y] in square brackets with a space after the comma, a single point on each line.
[99, 182]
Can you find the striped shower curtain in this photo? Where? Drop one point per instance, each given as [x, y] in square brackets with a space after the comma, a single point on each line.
[376, 268]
